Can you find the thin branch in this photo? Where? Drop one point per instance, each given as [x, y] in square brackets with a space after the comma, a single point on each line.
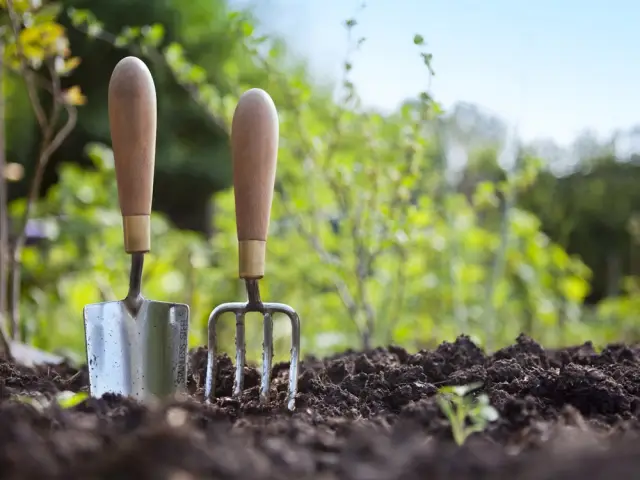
[49, 146]
[363, 260]
[400, 291]
[156, 56]
[499, 261]
[40, 81]
[4, 222]
[345, 204]
[50, 143]
[106, 292]
[341, 287]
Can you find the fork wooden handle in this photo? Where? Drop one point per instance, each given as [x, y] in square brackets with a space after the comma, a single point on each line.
[254, 148]
[132, 120]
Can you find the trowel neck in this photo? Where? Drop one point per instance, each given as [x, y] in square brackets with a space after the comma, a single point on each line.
[134, 297]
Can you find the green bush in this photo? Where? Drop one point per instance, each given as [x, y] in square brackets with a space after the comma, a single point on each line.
[370, 239]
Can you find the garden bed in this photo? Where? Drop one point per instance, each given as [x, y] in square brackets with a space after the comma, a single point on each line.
[563, 414]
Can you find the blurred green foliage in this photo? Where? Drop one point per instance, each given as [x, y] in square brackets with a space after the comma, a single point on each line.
[371, 239]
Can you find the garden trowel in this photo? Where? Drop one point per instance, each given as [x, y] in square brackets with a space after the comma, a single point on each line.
[135, 347]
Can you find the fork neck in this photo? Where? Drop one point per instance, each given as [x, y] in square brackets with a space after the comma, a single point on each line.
[253, 293]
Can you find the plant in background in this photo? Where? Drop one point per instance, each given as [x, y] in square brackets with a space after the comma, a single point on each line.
[36, 49]
[85, 262]
[368, 227]
[65, 399]
[467, 413]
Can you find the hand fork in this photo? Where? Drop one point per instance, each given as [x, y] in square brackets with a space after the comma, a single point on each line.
[254, 149]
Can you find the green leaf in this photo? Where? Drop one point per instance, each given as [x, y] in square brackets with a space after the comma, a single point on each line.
[48, 13]
[426, 59]
[462, 390]
[153, 34]
[174, 53]
[247, 29]
[121, 41]
[418, 39]
[79, 16]
[101, 156]
[69, 399]
[574, 288]
[94, 29]
[489, 413]
[197, 74]
[425, 97]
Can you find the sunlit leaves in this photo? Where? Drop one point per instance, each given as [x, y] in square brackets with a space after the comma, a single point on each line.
[41, 39]
[153, 34]
[37, 43]
[574, 288]
[485, 195]
[81, 16]
[20, 6]
[127, 36]
[366, 231]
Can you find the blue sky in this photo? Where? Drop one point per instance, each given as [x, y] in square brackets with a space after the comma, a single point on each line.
[555, 67]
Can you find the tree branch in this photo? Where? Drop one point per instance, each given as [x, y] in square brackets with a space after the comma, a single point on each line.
[4, 222]
[341, 287]
[156, 56]
[51, 141]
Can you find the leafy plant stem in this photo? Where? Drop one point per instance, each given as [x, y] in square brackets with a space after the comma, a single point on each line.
[51, 141]
[4, 221]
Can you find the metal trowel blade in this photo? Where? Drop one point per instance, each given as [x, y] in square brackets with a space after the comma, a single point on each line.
[140, 356]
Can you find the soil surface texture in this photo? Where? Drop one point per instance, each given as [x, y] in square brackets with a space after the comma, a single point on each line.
[564, 414]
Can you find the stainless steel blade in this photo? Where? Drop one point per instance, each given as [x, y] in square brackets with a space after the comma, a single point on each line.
[143, 356]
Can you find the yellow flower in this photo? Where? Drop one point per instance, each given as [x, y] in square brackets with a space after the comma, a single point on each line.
[74, 96]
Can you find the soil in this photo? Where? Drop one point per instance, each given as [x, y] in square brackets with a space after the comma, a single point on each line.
[565, 414]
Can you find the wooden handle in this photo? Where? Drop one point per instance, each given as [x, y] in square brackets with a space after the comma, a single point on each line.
[132, 119]
[254, 147]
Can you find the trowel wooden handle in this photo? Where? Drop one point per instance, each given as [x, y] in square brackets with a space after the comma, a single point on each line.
[254, 147]
[132, 119]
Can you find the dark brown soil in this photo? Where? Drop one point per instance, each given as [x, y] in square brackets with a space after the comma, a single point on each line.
[563, 415]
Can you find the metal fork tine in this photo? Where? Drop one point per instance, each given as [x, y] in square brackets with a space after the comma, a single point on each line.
[210, 374]
[295, 349]
[238, 383]
[267, 356]
[295, 353]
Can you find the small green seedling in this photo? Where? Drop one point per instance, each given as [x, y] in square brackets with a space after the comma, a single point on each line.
[69, 399]
[461, 407]
[64, 399]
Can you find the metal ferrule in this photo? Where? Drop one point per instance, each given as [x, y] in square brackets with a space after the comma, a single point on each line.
[137, 233]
